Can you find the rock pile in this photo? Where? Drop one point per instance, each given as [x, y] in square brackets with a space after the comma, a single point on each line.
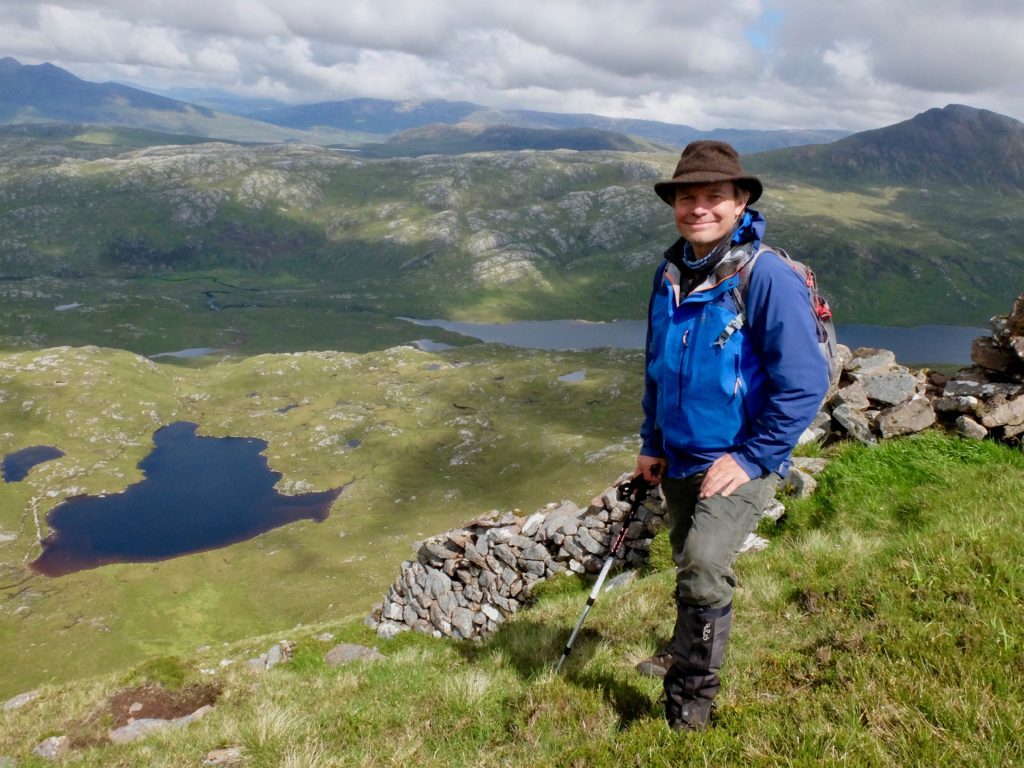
[465, 582]
[877, 398]
[987, 399]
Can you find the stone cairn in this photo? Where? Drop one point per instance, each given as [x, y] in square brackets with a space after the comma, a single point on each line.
[466, 582]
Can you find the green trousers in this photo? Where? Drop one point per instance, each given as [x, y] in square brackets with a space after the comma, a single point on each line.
[706, 535]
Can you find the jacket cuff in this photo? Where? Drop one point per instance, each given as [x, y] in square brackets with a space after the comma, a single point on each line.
[752, 468]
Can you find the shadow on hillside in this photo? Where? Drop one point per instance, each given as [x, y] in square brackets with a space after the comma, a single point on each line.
[534, 648]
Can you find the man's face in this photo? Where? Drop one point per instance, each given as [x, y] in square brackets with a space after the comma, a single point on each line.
[706, 213]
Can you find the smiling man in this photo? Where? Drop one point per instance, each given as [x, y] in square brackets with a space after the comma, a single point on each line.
[733, 377]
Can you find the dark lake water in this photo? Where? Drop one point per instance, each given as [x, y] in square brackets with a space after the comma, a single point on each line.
[934, 344]
[198, 493]
[15, 466]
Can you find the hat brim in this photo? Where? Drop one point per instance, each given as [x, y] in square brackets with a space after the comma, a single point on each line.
[750, 184]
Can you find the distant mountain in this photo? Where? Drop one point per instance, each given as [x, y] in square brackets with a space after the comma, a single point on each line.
[386, 118]
[45, 93]
[440, 139]
[375, 116]
[957, 144]
[220, 101]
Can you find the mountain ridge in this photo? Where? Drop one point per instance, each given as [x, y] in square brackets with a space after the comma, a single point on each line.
[955, 143]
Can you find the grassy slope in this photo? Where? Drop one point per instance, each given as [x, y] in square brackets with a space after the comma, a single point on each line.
[882, 627]
[443, 438]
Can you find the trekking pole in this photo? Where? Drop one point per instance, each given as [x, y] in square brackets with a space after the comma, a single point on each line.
[635, 491]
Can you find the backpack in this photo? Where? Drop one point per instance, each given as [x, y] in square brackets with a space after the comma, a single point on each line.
[820, 310]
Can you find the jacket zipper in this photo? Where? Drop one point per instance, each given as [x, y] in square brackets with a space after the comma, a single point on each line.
[682, 365]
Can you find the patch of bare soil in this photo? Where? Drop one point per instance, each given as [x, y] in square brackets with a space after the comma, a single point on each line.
[141, 702]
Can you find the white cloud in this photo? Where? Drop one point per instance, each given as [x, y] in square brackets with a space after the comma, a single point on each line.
[738, 63]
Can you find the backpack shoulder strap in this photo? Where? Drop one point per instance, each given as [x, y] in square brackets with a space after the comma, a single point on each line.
[659, 276]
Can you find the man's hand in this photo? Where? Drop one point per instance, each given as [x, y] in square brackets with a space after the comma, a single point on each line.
[724, 477]
[651, 468]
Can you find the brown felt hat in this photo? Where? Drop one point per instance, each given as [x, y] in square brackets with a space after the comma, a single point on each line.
[707, 162]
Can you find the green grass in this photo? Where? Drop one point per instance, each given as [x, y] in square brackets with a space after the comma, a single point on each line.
[882, 627]
[441, 438]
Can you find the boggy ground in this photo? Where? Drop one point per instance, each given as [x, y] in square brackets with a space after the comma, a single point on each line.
[421, 442]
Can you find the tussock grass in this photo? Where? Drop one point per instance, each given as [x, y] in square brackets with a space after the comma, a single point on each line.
[882, 627]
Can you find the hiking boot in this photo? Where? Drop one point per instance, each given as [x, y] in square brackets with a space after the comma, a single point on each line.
[657, 665]
[693, 715]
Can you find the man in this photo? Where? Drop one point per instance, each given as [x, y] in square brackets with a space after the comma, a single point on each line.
[733, 377]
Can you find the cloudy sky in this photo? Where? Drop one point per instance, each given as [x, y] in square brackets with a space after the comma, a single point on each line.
[851, 64]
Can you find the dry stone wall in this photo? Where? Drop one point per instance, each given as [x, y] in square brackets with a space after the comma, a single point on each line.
[466, 582]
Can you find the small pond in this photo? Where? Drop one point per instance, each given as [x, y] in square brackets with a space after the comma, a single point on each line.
[198, 493]
[16, 465]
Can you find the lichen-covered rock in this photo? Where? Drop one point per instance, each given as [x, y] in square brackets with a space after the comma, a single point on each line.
[969, 428]
[906, 418]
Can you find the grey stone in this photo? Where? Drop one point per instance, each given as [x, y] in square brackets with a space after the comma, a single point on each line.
[889, 388]
[437, 584]
[1007, 390]
[139, 728]
[799, 484]
[774, 511]
[505, 554]
[520, 542]
[491, 613]
[532, 524]
[754, 543]
[854, 424]
[1009, 413]
[473, 555]
[447, 602]
[961, 388]
[906, 418]
[437, 552]
[389, 629]
[536, 552]
[969, 428]
[622, 580]
[853, 395]
[810, 464]
[21, 700]
[462, 620]
[535, 567]
[274, 656]
[1013, 430]
[227, 756]
[349, 652]
[958, 404]
[588, 542]
[986, 353]
[53, 748]
[867, 360]
[572, 549]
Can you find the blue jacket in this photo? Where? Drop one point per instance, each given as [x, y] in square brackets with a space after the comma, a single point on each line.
[750, 392]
